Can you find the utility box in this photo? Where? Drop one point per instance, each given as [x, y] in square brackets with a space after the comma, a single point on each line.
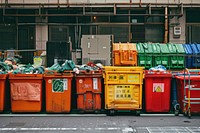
[97, 49]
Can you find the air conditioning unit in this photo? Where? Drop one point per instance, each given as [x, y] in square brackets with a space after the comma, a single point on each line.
[177, 30]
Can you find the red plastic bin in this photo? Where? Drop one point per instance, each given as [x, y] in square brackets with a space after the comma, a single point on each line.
[195, 83]
[2, 90]
[89, 89]
[157, 91]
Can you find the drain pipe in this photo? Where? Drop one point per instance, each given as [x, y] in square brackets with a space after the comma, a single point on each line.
[166, 26]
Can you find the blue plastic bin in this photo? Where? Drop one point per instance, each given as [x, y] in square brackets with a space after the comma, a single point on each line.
[189, 54]
[196, 56]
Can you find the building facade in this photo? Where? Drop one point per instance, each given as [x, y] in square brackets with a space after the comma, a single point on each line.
[28, 24]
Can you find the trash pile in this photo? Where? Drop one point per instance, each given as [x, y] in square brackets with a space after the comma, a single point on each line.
[66, 66]
[88, 67]
[11, 65]
[28, 69]
[158, 68]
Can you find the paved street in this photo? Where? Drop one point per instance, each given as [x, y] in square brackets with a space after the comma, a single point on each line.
[63, 123]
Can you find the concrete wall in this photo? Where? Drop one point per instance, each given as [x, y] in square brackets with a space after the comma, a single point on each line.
[175, 21]
[41, 34]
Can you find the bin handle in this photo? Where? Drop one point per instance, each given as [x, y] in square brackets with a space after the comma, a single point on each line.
[198, 60]
[145, 45]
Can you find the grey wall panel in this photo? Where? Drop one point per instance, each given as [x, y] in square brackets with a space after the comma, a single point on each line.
[96, 48]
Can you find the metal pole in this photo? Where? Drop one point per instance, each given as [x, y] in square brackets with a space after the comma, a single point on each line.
[166, 25]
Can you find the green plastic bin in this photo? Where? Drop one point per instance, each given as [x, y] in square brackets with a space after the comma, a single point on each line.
[157, 54]
[145, 55]
[181, 56]
[173, 55]
[164, 55]
[177, 59]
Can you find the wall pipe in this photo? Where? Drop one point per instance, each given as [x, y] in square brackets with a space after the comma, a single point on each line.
[166, 26]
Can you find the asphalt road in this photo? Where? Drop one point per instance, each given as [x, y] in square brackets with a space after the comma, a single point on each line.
[64, 123]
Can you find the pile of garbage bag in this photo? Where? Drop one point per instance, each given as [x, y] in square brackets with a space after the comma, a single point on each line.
[28, 69]
[66, 66]
[158, 68]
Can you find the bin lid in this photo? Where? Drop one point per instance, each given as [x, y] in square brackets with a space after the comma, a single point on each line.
[180, 49]
[140, 48]
[156, 48]
[192, 77]
[198, 47]
[187, 48]
[194, 49]
[160, 74]
[164, 49]
[115, 46]
[148, 48]
[172, 48]
[124, 46]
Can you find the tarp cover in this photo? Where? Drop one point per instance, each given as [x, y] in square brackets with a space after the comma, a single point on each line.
[26, 91]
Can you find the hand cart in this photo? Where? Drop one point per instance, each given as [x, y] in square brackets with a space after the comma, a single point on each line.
[188, 98]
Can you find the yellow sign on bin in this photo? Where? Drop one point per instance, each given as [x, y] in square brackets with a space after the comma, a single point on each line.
[123, 92]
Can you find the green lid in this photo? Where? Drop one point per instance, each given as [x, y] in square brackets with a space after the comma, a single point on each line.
[140, 48]
[156, 48]
[172, 48]
[147, 48]
[164, 49]
[180, 48]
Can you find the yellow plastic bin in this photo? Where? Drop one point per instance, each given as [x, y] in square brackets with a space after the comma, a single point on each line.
[123, 88]
[26, 92]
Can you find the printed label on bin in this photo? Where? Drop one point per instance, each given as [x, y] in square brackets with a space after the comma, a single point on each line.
[158, 87]
[133, 78]
[59, 85]
[95, 83]
[25, 91]
[122, 78]
[113, 77]
[123, 91]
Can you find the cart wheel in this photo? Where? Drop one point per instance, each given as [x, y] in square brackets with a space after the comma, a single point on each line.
[189, 115]
[112, 112]
[137, 112]
[176, 112]
[185, 113]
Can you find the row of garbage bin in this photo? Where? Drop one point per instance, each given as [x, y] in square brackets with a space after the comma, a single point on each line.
[172, 56]
[122, 89]
[148, 55]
